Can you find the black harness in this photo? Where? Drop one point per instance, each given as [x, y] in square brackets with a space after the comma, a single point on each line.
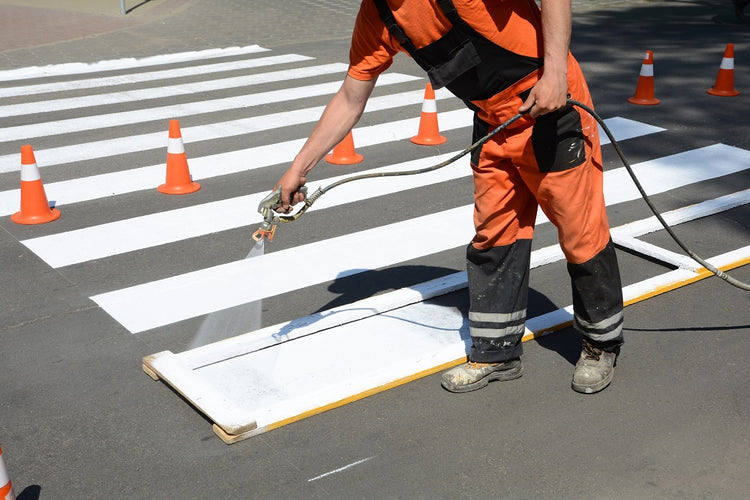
[466, 63]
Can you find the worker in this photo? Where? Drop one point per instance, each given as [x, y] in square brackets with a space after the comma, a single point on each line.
[500, 57]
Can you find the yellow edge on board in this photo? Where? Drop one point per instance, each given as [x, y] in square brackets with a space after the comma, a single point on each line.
[230, 438]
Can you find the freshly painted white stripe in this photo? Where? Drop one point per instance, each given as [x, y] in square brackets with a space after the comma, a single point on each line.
[120, 64]
[335, 471]
[636, 291]
[131, 78]
[255, 340]
[138, 308]
[142, 142]
[656, 252]
[624, 129]
[25, 132]
[166, 91]
[673, 171]
[674, 217]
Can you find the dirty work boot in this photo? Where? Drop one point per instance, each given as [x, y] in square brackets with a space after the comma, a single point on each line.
[472, 376]
[594, 370]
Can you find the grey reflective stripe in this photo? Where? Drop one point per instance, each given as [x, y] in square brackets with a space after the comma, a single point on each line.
[497, 317]
[496, 333]
[590, 329]
[601, 325]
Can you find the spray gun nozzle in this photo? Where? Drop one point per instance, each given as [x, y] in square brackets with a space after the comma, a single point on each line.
[265, 231]
[266, 208]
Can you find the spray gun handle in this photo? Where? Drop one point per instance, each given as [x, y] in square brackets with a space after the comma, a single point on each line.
[272, 201]
[302, 189]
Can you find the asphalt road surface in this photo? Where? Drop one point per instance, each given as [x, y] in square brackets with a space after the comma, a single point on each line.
[80, 419]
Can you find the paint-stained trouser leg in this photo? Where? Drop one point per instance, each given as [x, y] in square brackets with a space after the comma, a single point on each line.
[497, 260]
[498, 280]
[597, 299]
[571, 195]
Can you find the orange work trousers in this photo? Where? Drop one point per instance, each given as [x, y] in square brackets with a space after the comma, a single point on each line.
[553, 162]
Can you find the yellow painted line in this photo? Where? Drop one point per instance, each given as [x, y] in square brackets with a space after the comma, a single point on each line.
[701, 274]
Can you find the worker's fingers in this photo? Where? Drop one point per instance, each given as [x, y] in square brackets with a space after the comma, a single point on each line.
[290, 185]
[528, 104]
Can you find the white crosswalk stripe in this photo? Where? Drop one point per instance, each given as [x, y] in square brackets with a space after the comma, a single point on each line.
[232, 108]
[121, 64]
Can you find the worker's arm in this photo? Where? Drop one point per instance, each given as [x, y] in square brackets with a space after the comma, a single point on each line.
[551, 91]
[338, 118]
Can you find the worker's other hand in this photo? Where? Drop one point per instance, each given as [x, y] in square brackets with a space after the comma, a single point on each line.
[290, 183]
[549, 94]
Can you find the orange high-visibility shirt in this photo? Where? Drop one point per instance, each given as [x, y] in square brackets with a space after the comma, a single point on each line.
[514, 25]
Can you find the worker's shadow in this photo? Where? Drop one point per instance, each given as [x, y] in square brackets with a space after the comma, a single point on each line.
[356, 285]
[565, 342]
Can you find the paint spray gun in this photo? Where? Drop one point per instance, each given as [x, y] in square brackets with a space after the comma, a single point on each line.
[267, 208]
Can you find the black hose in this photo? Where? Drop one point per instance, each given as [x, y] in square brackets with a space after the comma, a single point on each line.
[321, 191]
[688, 251]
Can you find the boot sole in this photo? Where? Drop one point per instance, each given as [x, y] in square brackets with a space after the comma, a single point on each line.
[592, 389]
[500, 375]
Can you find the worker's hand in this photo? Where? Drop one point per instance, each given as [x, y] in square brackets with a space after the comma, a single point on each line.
[549, 94]
[290, 183]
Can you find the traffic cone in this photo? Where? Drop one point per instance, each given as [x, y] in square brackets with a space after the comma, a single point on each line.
[644, 92]
[428, 133]
[724, 85]
[178, 174]
[344, 153]
[6, 487]
[35, 208]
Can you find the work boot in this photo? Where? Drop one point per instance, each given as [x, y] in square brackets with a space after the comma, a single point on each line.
[472, 376]
[594, 370]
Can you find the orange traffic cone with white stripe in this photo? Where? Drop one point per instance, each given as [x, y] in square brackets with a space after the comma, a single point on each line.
[724, 85]
[6, 487]
[35, 208]
[178, 174]
[344, 152]
[644, 92]
[429, 132]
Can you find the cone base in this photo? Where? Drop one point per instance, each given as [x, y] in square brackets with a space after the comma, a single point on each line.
[643, 101]
[186, 189]
[19, 218]
[723, 93]
[344, 160]
[428, 141]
